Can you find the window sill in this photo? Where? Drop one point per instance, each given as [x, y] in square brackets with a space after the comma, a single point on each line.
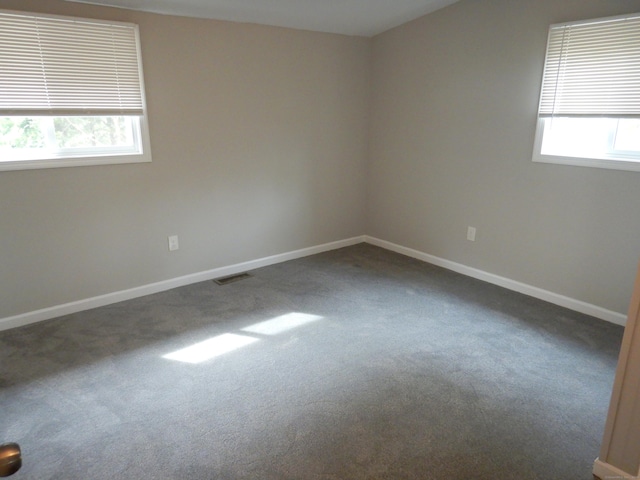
[73, 162]
[628, 165]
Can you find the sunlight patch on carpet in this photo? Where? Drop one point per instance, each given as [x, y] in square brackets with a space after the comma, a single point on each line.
[282, 323]
[228, 342]
[211, 348]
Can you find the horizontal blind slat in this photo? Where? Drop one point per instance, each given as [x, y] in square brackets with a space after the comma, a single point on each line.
[60, 64]
[592, 68]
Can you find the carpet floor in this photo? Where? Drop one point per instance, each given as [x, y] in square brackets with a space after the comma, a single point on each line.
[357, 363]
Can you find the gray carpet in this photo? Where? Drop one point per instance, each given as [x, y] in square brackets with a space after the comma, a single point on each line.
[391, 369]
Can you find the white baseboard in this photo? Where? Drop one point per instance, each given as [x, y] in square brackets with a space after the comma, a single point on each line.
[570, 303]
[122, 295]
[604, 471]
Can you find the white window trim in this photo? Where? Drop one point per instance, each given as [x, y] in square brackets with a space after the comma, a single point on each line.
[633, 164]
[88, 160]
[97, 158]
[612, 164]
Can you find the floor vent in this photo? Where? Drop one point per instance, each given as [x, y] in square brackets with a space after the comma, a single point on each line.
[231, 278]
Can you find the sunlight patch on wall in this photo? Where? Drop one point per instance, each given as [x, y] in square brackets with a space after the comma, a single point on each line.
[210, 348]
[282, 323]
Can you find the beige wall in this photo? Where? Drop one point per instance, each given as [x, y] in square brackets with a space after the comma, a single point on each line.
[261, 145]
[455, 98]
[259, 141]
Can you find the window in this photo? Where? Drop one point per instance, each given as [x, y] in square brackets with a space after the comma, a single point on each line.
[589, 111]
[71, 92]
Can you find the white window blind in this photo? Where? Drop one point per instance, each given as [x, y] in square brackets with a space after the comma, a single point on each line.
[57, 66]
[592, 69]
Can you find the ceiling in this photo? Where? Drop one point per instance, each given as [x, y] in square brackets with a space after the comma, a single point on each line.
[348, 17]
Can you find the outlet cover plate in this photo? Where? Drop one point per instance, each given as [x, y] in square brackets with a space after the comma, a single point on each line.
[471, 234]
[173, 243]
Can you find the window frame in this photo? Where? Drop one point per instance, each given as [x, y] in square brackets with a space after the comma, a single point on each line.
[81, 156]
[608, 160]
[632, 165]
